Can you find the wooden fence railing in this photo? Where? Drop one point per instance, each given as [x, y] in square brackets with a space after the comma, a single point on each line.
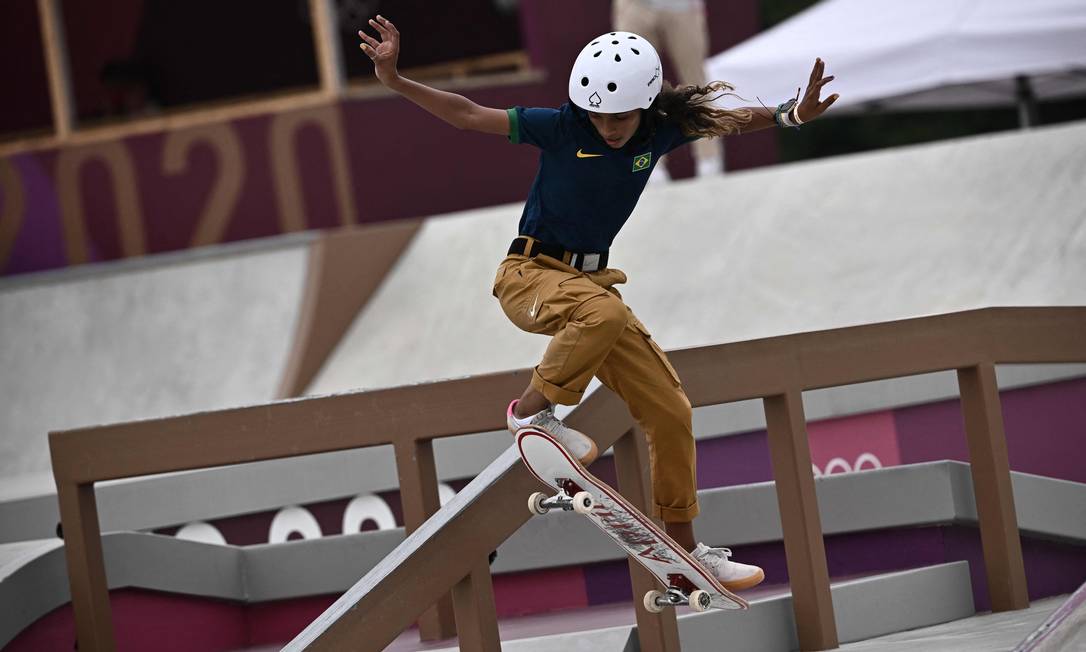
[446, 550]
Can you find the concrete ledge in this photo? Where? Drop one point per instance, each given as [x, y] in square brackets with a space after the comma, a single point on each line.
[33, 574]
[863, 608]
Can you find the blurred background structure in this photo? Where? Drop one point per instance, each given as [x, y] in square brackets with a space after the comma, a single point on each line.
[158, 126]
[220, 235]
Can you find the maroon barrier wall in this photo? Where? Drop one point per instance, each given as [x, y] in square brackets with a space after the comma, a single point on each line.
[348, 162]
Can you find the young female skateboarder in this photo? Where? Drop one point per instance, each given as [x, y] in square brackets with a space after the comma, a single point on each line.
[597, 152]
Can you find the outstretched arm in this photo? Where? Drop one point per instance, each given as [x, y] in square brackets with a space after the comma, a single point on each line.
[455, 109]
[810, 107]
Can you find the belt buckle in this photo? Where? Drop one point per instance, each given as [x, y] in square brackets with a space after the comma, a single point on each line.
[591, 263]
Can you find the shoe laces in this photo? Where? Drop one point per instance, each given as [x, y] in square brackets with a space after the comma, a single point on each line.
[718, 554]
[547, 418]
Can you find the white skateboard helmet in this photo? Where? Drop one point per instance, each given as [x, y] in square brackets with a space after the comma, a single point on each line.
[615, 73]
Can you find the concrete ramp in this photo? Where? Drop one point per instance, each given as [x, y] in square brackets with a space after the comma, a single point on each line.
[120, 342]
[994, 220]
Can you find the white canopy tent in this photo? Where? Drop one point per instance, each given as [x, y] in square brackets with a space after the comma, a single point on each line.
[920, 54]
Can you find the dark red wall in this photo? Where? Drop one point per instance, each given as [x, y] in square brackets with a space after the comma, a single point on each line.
[67, 206]
[24, 98]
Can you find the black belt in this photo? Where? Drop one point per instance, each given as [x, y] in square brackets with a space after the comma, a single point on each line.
[586, 262]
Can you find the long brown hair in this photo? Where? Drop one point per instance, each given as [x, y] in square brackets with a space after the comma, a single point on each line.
[691, 107]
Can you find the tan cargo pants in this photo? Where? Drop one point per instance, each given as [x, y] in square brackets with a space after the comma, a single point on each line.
[596, 334]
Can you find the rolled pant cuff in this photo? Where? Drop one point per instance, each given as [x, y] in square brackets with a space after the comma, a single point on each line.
[554, 393]
[676, 515]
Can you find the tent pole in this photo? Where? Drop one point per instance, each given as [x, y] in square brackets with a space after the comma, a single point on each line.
[1027, 102]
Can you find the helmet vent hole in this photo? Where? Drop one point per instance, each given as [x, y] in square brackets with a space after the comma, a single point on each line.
[614, 33]
[598, 53]
[612, 87]
[614, 42]
[584, 81]
[618, 58]
[593, 42]
[634, 50]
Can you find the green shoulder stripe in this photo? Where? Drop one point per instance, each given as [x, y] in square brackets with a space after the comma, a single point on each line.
[514, 127]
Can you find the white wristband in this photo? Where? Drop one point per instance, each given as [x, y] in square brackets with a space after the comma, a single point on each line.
[794, 114]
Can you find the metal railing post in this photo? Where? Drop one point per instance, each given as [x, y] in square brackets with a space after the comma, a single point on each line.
[996, 517]
[800, 521]
[419, 494]
[657, 632]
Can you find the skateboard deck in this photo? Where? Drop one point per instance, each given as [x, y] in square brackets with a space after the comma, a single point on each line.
[687, 581]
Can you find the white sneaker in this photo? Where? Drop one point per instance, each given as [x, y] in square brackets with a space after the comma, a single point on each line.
[733, 575]
[577, 443]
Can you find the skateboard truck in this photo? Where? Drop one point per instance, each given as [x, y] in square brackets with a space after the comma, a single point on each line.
[581, 502]
[656, 601]
[680, 592]
[572, 498]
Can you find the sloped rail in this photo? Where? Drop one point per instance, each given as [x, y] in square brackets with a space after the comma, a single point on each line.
[447, 553]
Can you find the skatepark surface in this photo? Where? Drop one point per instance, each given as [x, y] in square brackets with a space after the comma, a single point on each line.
[606, 628]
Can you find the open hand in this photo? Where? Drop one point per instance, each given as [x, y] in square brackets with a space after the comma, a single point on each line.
[810, 107]
[385, 52]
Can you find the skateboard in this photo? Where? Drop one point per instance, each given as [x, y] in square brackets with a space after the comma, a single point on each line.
[579, 491]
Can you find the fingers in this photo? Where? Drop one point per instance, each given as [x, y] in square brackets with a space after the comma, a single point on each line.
[388, 23]
[817, 81]
[827, 102]
[387, 31]
[379, 25]
[372, 42]
[816, 71]
[369, 46]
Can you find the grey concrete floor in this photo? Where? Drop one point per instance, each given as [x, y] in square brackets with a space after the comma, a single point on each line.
[985, 632]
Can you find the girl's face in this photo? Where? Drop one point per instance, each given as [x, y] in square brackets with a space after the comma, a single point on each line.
[616, 129]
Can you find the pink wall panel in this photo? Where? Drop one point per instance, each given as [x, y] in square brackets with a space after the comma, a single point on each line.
[854, 443]
[538, 591]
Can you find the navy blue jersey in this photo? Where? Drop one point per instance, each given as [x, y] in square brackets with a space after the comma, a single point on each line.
[585, 190]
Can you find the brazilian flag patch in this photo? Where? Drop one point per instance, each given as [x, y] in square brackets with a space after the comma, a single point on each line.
[641, 161]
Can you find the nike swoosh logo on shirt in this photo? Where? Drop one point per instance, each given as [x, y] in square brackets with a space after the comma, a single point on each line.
[581, 154]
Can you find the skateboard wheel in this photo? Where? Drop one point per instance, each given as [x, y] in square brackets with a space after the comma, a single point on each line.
[583, 502]
[700, 600]
[535, 503]
[651, 602]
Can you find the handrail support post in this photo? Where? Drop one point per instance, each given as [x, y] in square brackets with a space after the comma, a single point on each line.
[476, 614]
[657, 632]
[804, 548]
[86, 565]
[419, 495]
[996, 516]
